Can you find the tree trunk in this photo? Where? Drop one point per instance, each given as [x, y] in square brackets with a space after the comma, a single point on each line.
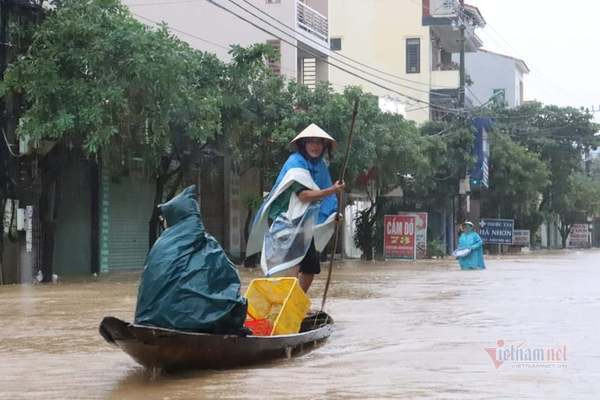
[51, 166]
[48, 211]
[565, 230]
[153, 223]
[368, 254]
[159, 189]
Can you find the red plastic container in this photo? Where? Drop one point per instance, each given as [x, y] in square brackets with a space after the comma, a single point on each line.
[259, 327]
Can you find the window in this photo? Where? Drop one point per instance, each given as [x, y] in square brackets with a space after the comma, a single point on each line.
[335, 44]
[413, 56]
[499, 97]
[274, 62]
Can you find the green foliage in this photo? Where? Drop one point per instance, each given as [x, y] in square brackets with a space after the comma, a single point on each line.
[561, 136]
[435, 249]
[95, 76]
[575, 204]
[364, 236]
[446, 154]
[518, 177]
[256, 110]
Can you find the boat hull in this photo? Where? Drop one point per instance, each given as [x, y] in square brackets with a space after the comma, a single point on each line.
[176, 350]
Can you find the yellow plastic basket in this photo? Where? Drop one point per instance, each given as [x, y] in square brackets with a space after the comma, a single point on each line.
[280, 300]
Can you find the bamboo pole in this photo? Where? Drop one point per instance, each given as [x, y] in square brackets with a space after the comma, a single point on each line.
[340, 203]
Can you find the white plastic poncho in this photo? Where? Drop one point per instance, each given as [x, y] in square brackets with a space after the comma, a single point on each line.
[285, 243]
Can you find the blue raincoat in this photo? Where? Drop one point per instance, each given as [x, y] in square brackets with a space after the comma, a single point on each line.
[285, 243]
[472, 241]
[188, 282]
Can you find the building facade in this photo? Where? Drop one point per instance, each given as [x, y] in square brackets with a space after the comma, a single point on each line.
[410, 45]
[496, 77]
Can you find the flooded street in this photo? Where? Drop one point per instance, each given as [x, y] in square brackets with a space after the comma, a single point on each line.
[403, 330]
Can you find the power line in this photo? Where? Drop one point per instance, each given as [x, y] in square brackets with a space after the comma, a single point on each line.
[309, 38]
[316, 55]
[320, 44]
[161, 3]
[183, 32]
[434, 106]
[223, 46]
[331, 56]
[337, 54]
[474, 95]
[516, 114]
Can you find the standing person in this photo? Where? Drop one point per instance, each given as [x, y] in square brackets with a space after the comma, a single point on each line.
[301, 210]
[471, 241]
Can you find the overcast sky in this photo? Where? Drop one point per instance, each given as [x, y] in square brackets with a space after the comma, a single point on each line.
[557, 39]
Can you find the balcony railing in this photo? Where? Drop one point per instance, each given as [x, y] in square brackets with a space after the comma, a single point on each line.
[443, 8]
[311, 21]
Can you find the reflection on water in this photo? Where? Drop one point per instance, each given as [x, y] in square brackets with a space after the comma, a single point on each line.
[402, 331]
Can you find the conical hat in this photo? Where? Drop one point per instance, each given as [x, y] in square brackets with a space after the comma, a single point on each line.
[313, 131]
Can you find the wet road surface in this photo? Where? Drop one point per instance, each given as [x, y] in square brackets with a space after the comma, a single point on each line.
[403, 331]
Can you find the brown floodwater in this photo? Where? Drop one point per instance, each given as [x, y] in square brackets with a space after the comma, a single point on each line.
[402, 331]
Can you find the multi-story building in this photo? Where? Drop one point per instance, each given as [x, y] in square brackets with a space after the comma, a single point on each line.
[496, 77]
[411, 44]
[303, 24]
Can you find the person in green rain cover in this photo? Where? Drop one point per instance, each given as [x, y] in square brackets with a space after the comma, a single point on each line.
[188, 282]
[470, 248]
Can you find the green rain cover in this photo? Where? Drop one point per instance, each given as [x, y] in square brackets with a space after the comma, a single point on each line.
[188, 282]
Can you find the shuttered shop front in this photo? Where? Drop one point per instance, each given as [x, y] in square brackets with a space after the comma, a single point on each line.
[126, 209]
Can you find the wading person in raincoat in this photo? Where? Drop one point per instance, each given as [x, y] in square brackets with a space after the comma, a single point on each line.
[471, 245]
[188, 282]
[301, 210]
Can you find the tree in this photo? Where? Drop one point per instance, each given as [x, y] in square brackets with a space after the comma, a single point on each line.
[95, 78]
[561, 136]
[447, 153]
[518, 177]
[398, 163]
[256, 104]
[575, 205]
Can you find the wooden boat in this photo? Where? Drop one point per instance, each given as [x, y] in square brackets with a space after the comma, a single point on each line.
[174, 350]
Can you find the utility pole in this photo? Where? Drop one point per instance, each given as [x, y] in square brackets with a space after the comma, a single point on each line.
[461, 93]
[461, 90]
[462, 196]
[463, 185]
